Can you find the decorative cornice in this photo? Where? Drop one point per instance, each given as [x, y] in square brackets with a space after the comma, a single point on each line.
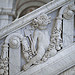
[25, 20]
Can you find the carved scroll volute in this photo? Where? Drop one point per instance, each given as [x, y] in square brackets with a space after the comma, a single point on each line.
[5, 51]
[14, 42]
[56, 43]
[69, 12]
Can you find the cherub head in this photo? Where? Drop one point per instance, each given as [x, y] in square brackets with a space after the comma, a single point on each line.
[41, 21]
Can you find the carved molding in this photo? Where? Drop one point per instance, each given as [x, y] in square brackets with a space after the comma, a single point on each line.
[25, 20]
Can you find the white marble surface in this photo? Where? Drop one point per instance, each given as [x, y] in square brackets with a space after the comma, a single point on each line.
[70, 71]
[55, 65]
[68, 31]
[23, 21]
[14, 63]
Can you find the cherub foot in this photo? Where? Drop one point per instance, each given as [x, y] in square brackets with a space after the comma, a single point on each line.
[25, 67]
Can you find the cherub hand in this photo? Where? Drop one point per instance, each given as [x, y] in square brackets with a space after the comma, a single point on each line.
[26, 66]
[33, 49]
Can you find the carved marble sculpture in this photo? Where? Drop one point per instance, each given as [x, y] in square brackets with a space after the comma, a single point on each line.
[39, 42]
[41, 48]
[38, 46]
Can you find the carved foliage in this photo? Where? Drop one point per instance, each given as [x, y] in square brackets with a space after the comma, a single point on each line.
[4, 60]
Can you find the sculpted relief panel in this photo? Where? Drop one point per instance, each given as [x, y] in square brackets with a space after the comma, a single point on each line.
[37, 45]
[40, 41]
[40, 48]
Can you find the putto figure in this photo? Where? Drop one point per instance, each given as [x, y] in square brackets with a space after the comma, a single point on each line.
[40, 40]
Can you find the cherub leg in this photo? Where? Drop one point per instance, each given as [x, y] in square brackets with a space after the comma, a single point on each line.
[34, 59]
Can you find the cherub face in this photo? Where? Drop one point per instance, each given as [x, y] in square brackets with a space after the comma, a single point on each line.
[41, 21]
